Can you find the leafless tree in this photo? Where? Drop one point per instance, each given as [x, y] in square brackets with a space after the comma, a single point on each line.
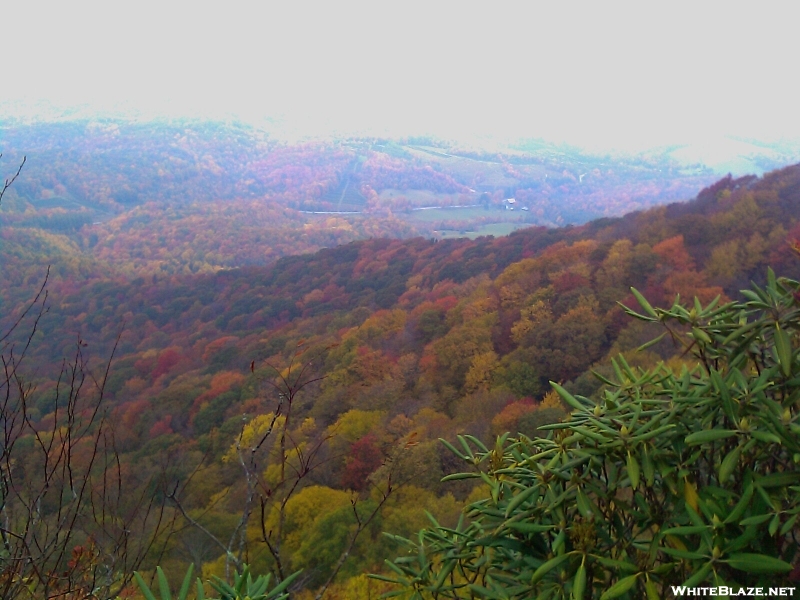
[69, 526]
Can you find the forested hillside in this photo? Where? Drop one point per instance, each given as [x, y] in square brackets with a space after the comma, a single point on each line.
[126, 199]
[363, 355]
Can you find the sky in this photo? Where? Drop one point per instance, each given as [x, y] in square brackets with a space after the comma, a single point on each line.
[611, 75]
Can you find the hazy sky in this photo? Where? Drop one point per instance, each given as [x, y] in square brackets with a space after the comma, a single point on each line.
[600, 74]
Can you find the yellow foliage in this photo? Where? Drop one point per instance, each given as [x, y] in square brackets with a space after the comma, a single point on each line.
[382, 324]
[360, 587]
[303, 511]
[219, 496]
[479, 492]
[480, 372]
[552, 400]
[530, 318]
[723, 264]
[431, 423]
[479, 308]
[355, 424]
[613, 272]
[253, 433]
[214, 567]
[511, 295]
[307, 427]
[527, 268]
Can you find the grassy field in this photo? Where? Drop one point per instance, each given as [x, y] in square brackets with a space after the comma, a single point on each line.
[460, 214]
[495, 229]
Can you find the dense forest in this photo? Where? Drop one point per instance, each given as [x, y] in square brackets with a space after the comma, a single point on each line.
[285, 411]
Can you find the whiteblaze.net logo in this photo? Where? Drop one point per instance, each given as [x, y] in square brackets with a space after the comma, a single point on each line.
[680, 590]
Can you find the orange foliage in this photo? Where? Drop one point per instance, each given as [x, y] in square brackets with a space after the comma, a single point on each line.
[507, 419]
[217, 345]
[220, 383]
[674, 253]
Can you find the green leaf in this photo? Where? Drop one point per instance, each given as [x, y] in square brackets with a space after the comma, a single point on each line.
[771, 282]
[754, 520]
[774, 524]
[650, 588]
[530, 527]
[457, 476]
[709, 435]
[616, 565]
[567, 397]
[766, 437]
[479, 443]
[278, 589]
[447, 568]
[242, 580]
[633, 470]
[584, 507]
[452, 449]
[699, 576]
[517, 500]
[579, 583]
[758, 563]
[777, 480]
[547, 567]
[729, 464]
[700, 335]
[721, 387]
[146, 592]
[163, 584]
[644, 303]
[652, 342]
[619, 588]
[787, 527]
[685, 530]
[783, 347]
[187, 582]
[741, 331]
[741, 506]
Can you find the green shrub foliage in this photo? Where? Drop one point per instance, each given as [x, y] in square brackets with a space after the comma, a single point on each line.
[674, 476]
[244, 587]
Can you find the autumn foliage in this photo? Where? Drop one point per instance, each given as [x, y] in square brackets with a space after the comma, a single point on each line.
[412, 339]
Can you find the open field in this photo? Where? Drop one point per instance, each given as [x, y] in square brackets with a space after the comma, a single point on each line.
[476, 212]
[495, 229]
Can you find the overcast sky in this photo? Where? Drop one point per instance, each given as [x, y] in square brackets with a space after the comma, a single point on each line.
[599, 75]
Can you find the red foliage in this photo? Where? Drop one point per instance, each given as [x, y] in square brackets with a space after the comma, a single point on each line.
[365, 457]
[161, 427]
[166, 360]
[569, 281]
